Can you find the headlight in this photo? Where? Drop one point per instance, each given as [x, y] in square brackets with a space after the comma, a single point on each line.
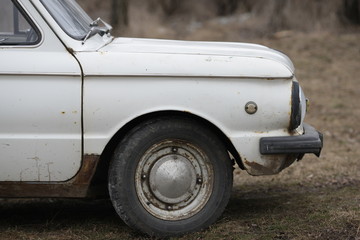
[304, 102]
[297, 97]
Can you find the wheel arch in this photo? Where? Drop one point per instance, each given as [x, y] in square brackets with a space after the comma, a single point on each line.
[103, 166]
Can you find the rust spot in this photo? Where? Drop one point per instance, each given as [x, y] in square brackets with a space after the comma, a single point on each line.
[259, 169]
[87, 169]
[70, 50]
[63, 112]
[77, 187]
[186, 111]
[274, 164]
[261, 132]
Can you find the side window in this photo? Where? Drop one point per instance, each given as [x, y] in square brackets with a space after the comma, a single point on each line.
[15, 26]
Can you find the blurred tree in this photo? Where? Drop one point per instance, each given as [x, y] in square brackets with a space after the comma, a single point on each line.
[278, 20]
[226, 7]
[352, 10]
[169, 6]
[119, 13]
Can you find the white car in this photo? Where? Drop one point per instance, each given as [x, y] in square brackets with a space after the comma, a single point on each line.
[156, 124]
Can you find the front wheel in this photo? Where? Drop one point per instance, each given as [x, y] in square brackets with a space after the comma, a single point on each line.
[170, 176]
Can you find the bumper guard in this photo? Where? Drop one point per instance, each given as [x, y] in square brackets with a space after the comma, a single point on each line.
[310, 142]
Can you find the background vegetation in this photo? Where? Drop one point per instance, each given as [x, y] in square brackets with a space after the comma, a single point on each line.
[187, 19]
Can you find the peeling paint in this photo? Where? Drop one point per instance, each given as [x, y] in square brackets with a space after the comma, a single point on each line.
[37, 165]
[48, 170]
[261, 132]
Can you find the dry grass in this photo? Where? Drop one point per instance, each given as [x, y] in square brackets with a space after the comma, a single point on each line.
[271, 211]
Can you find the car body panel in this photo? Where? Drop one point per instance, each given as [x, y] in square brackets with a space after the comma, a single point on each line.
[40, 100]
[164, 75]
[149, 57]
[224, 107]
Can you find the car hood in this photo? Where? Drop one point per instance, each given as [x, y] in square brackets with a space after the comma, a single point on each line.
[151, 57]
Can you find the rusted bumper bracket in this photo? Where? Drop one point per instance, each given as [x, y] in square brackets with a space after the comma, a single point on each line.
[310, 142]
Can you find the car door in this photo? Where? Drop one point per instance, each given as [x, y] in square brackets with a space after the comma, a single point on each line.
[40, 99]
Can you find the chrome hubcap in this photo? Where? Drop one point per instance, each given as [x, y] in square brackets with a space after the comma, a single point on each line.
[173, 180]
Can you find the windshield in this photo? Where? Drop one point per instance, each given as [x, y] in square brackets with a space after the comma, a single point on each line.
[70, 16]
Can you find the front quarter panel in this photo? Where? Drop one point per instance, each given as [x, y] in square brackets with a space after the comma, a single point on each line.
[111, 102]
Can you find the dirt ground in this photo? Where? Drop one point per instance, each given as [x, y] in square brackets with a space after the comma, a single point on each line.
[316, 198]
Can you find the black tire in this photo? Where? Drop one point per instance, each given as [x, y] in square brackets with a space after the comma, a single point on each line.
[170, 176]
